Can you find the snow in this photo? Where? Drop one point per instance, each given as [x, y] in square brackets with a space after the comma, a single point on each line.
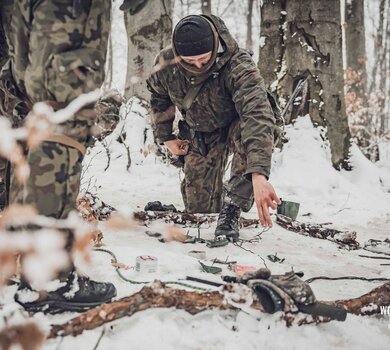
[354, 201]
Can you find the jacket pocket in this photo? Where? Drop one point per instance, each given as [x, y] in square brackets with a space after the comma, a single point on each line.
[75, 72]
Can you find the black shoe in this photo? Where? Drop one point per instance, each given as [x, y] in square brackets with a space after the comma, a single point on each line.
[79, 294]
[228, 224]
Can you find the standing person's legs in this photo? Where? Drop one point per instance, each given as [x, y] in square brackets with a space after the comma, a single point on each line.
[67, 48]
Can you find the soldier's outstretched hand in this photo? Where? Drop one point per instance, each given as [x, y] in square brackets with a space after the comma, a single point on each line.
[178, 147]
[265, 198]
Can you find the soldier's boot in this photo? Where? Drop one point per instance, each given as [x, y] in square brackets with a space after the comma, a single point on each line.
[79, 294]
[228, 224]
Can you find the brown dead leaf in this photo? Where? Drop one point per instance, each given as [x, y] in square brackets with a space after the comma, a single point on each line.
[26, 336]
[17, 215]
[175, 234]
[38, 129]
[119, 265]
[83, 242]
[120, 222]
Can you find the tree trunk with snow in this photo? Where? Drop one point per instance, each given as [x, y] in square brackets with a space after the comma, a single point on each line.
[249, 16]
[148, 32]
[206, 7]
[303, 39]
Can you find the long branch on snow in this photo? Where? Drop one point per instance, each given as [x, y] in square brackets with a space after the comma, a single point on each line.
[159, 296]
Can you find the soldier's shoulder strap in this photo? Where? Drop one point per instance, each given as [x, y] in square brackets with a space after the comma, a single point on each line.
[191, 94]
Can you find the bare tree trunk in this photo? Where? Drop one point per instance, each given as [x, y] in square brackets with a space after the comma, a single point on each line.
[249, 16]
[378, 84]
[148, 32]
[303, 39]
[109, 66]
[355, 37]
[384, 72]
[206, 7]
[356, 75]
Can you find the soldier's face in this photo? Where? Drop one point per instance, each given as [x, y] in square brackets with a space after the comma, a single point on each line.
[198, 61]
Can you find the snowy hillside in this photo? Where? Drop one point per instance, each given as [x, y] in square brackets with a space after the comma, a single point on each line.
[357, 200]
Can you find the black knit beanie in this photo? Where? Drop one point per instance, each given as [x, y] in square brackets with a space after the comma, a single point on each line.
[193, 36]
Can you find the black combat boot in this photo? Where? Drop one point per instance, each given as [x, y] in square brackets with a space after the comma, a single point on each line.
[79, 294]
[228, 224]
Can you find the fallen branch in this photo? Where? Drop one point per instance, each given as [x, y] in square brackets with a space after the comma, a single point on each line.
[186, 219]
[159, 296]
[345, 239]
[155, 296]
[367, 304]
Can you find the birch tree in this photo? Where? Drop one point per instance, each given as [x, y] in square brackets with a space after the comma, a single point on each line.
[303, 39]
[148, 31]
[249, 17]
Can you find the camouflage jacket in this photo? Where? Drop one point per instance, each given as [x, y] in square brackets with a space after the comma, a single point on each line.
[234, 89]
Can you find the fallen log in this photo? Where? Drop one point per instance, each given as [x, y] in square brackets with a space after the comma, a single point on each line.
[345, 239]
[159, 296]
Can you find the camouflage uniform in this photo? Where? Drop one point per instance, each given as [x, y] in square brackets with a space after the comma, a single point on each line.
[233, 115]
[57, 52]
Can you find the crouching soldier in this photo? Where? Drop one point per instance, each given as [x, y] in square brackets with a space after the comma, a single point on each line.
[223, 101]
[57, 51]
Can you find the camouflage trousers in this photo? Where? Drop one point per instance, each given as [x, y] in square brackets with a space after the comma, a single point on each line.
[54, 181]
[203, 188]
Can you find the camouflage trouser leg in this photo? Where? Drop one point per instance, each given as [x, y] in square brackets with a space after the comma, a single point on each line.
[202, 186]
[239, 189]
[4, 183]
[203, 190]
[53, 185]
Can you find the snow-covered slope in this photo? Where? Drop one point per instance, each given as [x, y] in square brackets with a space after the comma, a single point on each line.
[302, 172]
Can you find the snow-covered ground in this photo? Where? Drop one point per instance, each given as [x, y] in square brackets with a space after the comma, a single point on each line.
[357, 200]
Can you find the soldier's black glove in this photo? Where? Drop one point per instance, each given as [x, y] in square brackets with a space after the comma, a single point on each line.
[134, 6]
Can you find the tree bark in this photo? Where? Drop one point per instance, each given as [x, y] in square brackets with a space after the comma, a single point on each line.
[148, 32]
[249, 16]
[206, 7]
[355, 39]
[303, 39]
[356, 76]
